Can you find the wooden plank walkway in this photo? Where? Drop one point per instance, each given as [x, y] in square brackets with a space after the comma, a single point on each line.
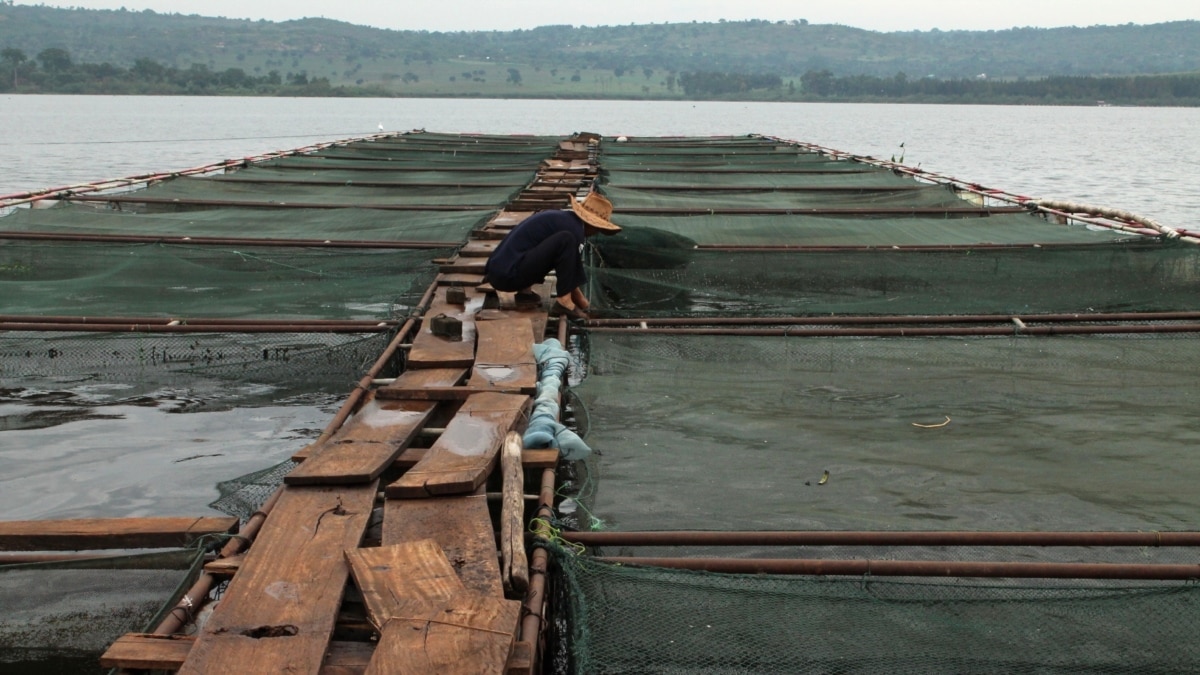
[431, 583]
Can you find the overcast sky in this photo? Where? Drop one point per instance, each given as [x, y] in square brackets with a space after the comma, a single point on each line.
[879, 15]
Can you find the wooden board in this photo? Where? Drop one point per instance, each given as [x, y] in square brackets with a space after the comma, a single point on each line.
[144, 651]
[278, 612]
[463, 456]
[504, 356]
[435, 351]
[416, 380]
[468, 635]
[430, 623]
[461, 526]
[468, 280]
[89, 534]
[391, 577]
[478, 248]
[367, 445]
[463, 265]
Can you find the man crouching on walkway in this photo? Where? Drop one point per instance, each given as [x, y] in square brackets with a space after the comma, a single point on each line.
[551, 240]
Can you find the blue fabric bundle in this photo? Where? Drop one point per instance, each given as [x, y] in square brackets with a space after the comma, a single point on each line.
[544, 430]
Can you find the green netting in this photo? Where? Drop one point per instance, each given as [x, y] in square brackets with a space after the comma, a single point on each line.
[295, 361]
[359, 162]
[269, 174]
[64, 615]
[1046, 433]
[665, 278]
[90, 279]
[628, 619]
[186, 188]
[863, 197]
[758, 162]
[451, 227]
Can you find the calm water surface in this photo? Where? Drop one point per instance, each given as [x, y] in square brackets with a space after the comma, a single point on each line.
[58, 462]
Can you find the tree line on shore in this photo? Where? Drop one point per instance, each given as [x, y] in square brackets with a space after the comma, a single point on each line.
[53, 70]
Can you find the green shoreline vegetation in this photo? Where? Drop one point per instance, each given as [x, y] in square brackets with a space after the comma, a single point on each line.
[46, 50]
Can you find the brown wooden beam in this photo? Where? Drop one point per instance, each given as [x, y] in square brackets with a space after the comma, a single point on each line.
[88, 534]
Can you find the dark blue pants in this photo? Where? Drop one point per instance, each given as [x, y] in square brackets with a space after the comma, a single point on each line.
[556, 252]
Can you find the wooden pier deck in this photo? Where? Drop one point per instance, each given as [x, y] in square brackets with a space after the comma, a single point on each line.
[315, 593]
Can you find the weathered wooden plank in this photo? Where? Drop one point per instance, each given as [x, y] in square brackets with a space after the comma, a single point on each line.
[463, 265]
[278, 612]
[419, 379]
[367, 445]
[478, 248]
[144, 651]
[435, 351]
[467, 280]
[504, 356]
[470, 635]
[461, 526]
[514, 566]
[141, 651]
[225, 567]
[89, 534]
[447, 393]
[531, 459]
[391, 577]
[463, 456]
[509, 218]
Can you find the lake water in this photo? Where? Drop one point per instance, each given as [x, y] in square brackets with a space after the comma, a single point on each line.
[79, 450]
[1145, 160]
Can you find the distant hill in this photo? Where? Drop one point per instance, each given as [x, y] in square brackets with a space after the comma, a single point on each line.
[632, 60]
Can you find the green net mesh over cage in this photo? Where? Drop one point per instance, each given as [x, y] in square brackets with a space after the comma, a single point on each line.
[629, 619]
[671, 414]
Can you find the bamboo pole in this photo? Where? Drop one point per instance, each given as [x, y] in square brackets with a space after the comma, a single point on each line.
[919, 568]
[883, 538]
[515, 564]
[196, 595]
[944, 331]
[223, 241]
[884, 319]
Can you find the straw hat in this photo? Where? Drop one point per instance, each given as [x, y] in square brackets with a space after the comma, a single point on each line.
[596, 210]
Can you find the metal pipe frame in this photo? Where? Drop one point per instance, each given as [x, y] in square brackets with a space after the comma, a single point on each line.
[364, 323]
[298, 327]
[927, 248]
[920, 568]
[883, 538]
[895, 319]
[973, 211]
[223, 241]
[944, 331]
[171, 201]
[196, 595]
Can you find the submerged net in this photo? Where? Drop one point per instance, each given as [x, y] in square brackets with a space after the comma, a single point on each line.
[630, 619]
